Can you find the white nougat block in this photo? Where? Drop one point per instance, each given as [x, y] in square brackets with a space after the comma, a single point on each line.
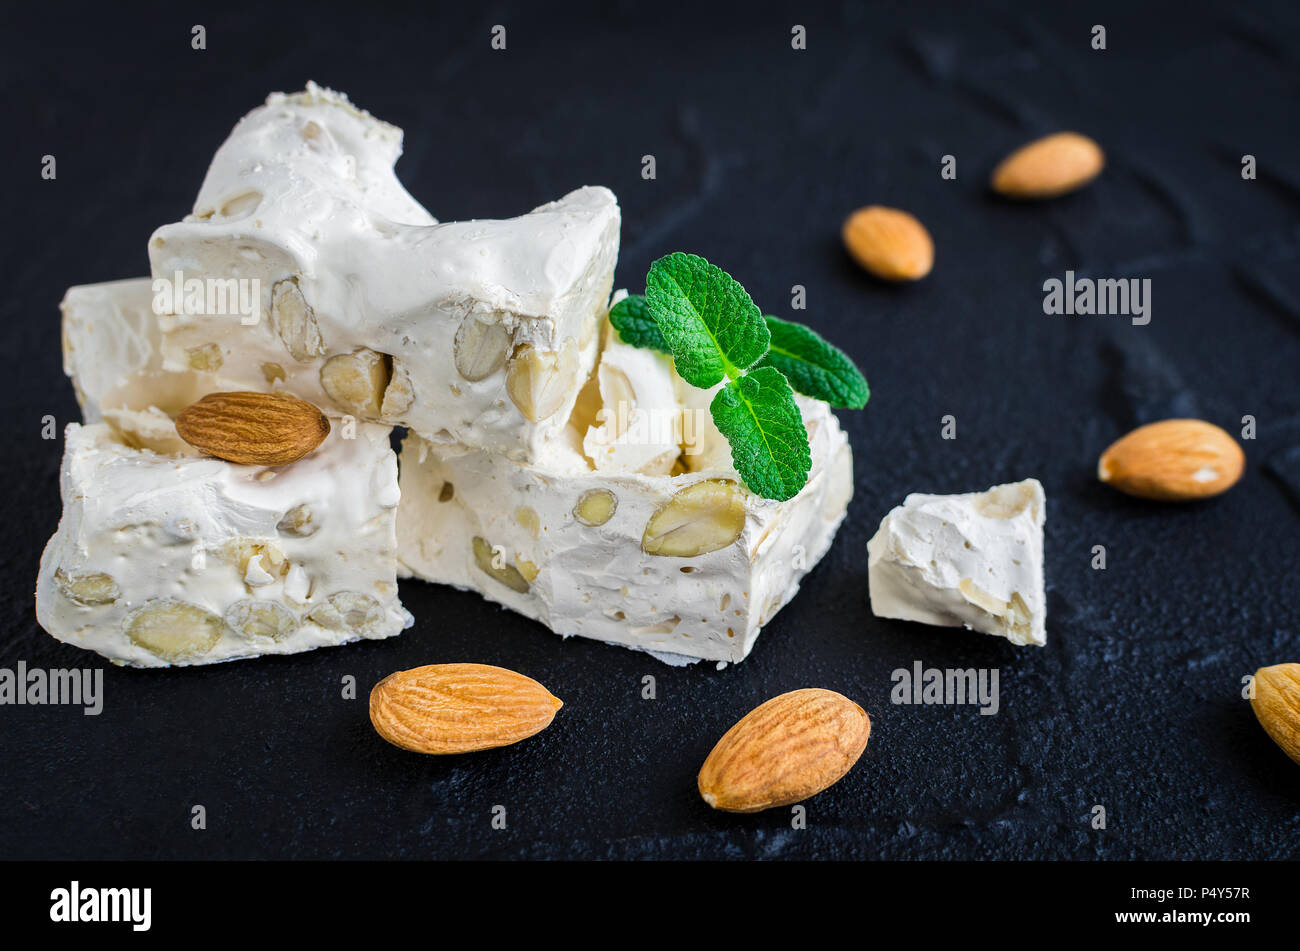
[184, 559]
[973, 560]
[478, 332]
[112, 353]
[571, 546]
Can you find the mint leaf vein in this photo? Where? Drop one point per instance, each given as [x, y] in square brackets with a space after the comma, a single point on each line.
[769, 445]
[814, 366]
[712, 327]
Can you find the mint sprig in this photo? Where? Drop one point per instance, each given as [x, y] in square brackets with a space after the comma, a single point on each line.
[701, 316]
[712, 328]
[769, 446]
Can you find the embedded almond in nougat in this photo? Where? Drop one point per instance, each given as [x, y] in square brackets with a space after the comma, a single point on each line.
[704, 516]
[357, 382]
[595, 507]
[475, 332]
[541, 383]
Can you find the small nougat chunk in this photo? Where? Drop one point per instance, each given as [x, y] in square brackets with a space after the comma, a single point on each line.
[112, 353]
[972, 560]
[166, 559]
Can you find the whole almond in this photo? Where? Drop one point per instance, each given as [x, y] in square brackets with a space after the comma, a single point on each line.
[889, 243]
[1049, 167]
[1277, 705]
[1175, 460]
[459, 708]
[785, 750]
[253, 429]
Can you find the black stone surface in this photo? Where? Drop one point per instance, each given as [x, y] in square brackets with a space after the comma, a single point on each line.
[1135, 704]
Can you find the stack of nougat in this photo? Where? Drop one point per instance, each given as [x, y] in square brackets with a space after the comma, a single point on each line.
[546, 464]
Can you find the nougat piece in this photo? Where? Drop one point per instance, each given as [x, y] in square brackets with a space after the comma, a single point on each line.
[973, 560]
[476, 332]
[690, 565]
[112, 353]
[178, 558]
[634, 420]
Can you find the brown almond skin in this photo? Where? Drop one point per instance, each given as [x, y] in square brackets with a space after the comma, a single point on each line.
[443, 709]
[253, 429]
[785, 750]
[1048, 167]
[1277, 705]
[1174, 460]
[889, 243]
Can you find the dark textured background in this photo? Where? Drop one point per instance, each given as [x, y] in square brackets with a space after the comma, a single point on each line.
[1135, 702]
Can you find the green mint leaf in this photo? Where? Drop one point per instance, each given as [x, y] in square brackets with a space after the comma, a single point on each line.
[712, 327]
[635, 326]
[769, 445]
[814, 366]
